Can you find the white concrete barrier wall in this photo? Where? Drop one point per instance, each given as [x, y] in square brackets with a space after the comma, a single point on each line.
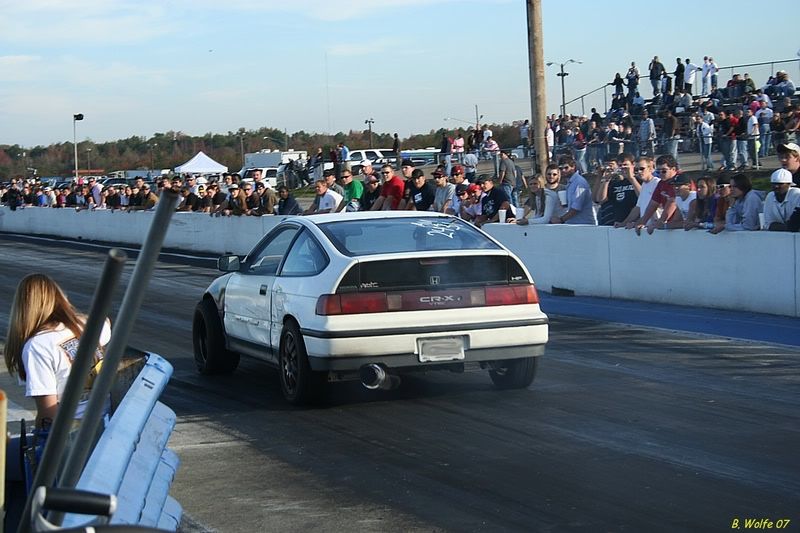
[751, 271]
[192, 232]
[796, 276]
[757, 272]
[562, 256]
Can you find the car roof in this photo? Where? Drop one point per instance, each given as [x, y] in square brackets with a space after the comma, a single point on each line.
[372, 215]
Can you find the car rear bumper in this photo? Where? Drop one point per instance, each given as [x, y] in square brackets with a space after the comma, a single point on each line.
[343, 364]
[401, 348]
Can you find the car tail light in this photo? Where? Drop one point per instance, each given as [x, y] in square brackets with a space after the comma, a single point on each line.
[511, 295]
[352, 303]
[378, 302]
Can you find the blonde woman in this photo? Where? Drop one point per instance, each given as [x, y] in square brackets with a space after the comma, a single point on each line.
[43, 334]
[541, 203]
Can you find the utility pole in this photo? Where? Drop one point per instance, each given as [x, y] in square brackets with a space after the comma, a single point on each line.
[477, 118]
[538, 93]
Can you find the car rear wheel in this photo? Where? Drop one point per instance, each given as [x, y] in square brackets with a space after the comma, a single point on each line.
[514, 373]
[300, 385]
[208, 337]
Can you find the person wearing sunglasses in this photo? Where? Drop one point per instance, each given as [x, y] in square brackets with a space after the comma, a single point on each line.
[663, 197]
[618, 189]
[579, 196]
[353, 191]
[392, 189]
[643, 170]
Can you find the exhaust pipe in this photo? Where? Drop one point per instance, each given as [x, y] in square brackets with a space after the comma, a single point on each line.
[374, 376]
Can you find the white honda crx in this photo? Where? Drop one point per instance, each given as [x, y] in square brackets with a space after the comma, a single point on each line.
[369, 296]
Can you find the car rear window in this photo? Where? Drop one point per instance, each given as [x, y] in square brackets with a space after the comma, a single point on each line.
[397, 235]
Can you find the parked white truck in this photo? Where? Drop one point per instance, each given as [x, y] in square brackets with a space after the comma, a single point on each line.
[270, 163]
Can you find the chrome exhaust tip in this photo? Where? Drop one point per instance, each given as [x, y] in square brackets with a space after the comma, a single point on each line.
[374, 376]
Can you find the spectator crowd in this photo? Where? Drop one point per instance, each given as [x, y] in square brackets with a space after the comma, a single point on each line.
[620, 170]
[741, 122]
[637, 192]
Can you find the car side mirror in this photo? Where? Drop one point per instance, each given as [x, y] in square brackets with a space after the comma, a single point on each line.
[228, 263]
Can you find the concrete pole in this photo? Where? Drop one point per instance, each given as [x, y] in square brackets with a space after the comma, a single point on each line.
[538, 92]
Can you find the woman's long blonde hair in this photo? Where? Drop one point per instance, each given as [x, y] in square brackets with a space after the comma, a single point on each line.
[39, 305]
[539, 196]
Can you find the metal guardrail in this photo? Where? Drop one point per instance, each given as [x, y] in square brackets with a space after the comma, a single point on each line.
[131, 459]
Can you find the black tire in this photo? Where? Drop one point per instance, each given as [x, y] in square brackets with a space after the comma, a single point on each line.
[514, 373]
[208, 338]
[300, 385]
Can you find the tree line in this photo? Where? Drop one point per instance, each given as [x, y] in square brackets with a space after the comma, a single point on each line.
[172, 148]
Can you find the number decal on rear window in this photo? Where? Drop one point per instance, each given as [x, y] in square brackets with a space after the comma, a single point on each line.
[437, 228]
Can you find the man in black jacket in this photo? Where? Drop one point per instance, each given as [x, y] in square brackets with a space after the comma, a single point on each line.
[287, 205]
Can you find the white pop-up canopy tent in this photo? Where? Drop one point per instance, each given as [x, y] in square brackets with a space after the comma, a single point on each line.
[201, 164]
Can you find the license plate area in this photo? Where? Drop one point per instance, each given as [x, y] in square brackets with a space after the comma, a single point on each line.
[440, 349]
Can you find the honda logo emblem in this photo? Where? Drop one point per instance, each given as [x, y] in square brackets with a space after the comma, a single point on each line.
[434, 280]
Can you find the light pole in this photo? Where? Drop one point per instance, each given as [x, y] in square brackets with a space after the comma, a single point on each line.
[88, 159]
[562, 75]
[76, 118]
[369, 122]
[153, 156]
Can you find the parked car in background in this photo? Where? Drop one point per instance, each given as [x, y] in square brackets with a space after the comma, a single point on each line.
[270, 175]
[326, 298]
[376, 156]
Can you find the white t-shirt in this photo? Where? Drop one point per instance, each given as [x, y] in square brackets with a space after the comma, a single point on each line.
[752, 125]
[97, 193]
[330, 200]
[688, 73]
[47, 358]
[683, 205]
[646, 194]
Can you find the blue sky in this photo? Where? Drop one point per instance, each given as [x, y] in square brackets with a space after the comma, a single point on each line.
[139, 67]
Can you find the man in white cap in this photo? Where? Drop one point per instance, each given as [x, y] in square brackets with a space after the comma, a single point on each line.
[781, 202]
[368, 172]
[789, 156]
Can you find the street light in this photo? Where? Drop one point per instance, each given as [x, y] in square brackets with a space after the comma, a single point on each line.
[153, 156]
[75, 118]
[369, 122]
[460, 120]
[241, 144]
[88, 159]
[562, 75]
[279, 142]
